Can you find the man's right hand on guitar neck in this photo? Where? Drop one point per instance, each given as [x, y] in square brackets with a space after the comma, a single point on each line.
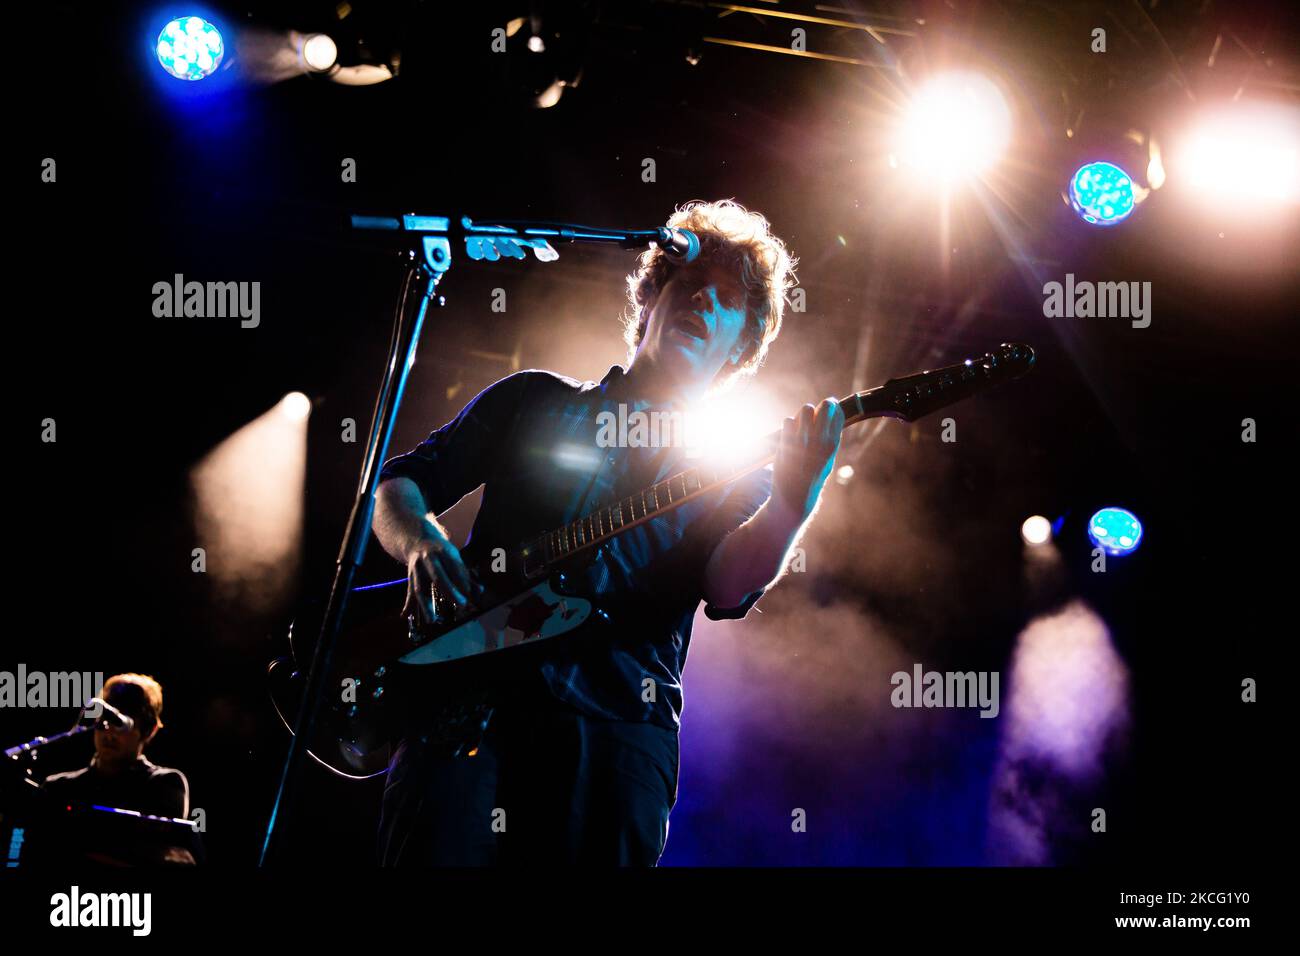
[410, 534]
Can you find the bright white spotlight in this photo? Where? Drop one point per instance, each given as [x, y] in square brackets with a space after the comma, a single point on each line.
[957, 125]
[1248, 157]
[730, 428]
[319, 52]
[1036, 530]
[295, 406]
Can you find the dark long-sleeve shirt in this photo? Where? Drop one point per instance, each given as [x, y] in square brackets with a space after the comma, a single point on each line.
[144, 786]
[531, 440]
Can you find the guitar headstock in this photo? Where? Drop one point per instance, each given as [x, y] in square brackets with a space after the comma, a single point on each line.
[915, 396]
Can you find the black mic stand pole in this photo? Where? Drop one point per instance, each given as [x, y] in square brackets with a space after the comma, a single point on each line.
[426, 260]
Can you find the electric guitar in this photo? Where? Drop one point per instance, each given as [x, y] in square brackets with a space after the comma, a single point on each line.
[394, 673]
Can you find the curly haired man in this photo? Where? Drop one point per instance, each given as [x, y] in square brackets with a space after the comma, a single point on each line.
[580, 765]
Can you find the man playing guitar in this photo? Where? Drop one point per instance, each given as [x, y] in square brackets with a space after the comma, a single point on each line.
[579, 764]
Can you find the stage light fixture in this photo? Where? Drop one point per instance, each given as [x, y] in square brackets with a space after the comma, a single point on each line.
[1242, 159]
[1036, 530]
[190, 48]
[1117, 530]
[295, 406]
[1102, 194]
[1116, 163]
[957, 125]
[319, 53]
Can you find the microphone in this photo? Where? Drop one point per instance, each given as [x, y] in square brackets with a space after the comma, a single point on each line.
[114, 715]
[680, 244]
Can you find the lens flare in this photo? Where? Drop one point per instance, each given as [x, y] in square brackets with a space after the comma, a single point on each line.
[957, 125]
[1244, 160]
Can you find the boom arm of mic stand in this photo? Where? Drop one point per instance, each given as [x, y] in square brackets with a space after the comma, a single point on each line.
[528, 232]
[36, 743]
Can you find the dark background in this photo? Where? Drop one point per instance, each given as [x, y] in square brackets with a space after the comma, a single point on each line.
[920, 553]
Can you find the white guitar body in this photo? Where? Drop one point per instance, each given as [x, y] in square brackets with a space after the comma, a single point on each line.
[530, 617]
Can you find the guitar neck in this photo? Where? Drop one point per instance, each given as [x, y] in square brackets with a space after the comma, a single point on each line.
[906, 398]
[673, 492]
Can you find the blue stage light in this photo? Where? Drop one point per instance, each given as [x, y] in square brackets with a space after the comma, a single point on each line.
[190, 48]
[1116, 530]
[1102, 194]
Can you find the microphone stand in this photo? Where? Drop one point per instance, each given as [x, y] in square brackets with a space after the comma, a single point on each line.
[425, 244]
[33, 746]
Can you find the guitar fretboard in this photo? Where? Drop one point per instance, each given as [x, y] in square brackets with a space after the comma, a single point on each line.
[905, 398]
[659, 498]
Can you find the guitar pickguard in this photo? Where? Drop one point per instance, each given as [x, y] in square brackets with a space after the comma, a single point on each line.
[532, 616]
